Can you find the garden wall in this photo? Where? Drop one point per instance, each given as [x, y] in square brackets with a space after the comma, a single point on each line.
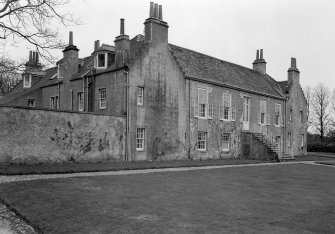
[45, 136]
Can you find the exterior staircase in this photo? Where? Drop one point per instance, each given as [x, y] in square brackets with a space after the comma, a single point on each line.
[272, 146]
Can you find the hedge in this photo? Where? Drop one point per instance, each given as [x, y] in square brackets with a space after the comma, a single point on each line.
[321, 147]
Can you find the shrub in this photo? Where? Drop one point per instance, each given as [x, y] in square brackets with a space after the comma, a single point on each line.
[321, 147]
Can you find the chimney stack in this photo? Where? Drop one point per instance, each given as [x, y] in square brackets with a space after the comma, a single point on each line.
[259, 64]
[71, 38]
[155, 29]
[30, 56]
[122, 46]
[151, 14]
[122, 26]
[293, 73]
[96, 45]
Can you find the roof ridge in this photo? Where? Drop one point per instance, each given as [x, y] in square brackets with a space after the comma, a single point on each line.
[215, 58]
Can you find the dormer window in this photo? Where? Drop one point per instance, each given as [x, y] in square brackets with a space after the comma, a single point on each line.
[26, 80]
[102, 60]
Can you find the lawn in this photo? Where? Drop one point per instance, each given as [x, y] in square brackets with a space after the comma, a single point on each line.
[295, 198]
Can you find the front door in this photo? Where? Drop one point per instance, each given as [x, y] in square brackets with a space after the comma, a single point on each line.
[246, 113]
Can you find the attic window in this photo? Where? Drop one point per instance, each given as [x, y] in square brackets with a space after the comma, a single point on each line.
[101, 61]
[60, 71]
[26, 81]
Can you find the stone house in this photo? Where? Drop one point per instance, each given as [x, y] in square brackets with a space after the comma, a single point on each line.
[177, 102]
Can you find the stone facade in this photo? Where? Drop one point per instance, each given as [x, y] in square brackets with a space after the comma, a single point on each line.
[176, 103]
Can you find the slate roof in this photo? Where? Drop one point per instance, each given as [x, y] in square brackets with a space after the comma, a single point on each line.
[207, 68]
[19, 91]
[284, 86]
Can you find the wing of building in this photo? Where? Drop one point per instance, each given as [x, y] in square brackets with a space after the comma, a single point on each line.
[178, 103]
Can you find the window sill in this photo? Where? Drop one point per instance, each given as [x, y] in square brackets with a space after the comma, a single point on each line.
[202, 150]
[140, 150]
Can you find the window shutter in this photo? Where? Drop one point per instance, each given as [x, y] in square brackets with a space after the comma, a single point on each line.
[259, 118]
[268, 118]
[195, 109]
[233, 114]
[221, 112]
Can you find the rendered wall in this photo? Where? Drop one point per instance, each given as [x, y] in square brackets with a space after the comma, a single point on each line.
[42, 136]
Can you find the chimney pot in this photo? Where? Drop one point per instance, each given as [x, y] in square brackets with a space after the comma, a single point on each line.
[96, 45]
[156, 11]
[30, 56]
[160, 12]
[261, 54]
[36, 57]
[257, 55]
[71, 38]
[293, 63]
[122, 26]
[151, 14]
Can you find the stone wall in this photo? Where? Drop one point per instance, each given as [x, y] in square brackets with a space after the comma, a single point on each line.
[44, 136]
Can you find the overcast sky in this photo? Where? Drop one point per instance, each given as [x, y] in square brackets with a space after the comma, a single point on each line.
[230, 30]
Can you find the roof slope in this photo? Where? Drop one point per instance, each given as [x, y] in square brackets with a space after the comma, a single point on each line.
[19, 91]
[204, 67]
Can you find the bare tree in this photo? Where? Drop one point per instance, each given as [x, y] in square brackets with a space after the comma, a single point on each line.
[33, 21]
[308, 95]
[320, 106]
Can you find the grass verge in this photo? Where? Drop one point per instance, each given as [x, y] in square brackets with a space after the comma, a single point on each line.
[291, 198]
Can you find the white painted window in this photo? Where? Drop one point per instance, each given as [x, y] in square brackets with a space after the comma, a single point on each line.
[302, 140]
[225, 141]
[210, 111]
[52, 102]
[31, 102]
[233, 114]
[221, 112]
[101, 61]
[26, 80]
[202, 140]
[277, 114]
[140, 95]
[289, 139]
[80, 101]
[57, 102]
[226, 106]
[140, 137]
[102, 100]
[60, 71]
[203, 102]
[262, 114]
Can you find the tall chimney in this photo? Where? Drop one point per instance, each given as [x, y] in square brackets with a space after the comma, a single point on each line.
[155, 29]
[293, 73]
[71, 38]
[160, 12]
[37, 57]
[30, 56]
[259, 64]
[151, 14]
[156, 11]
[122, 26]
[122, 46]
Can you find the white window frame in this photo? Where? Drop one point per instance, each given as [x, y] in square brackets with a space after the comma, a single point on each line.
[97, 60]
[210, 111]
[226, 108]
[57, 102]
[52, 102]
[225, 142]
[264, 112]
[233, 114]
[80, 101]
[202, 141]
[289, 139]
[140, 139]
[58, 72]
[27, 84]
[278, 115]
[31, 100]
[140, 96]
[102, 98]
[302, 140]
[202, 102]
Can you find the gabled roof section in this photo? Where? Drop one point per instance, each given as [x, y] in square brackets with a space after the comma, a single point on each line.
[19, 91]
[207, 68]
[106, 47]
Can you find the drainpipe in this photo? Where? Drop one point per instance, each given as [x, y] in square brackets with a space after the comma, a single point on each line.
[58, 93]
[128, 158]
[285, 127]
[189, 119]
[71, 99]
